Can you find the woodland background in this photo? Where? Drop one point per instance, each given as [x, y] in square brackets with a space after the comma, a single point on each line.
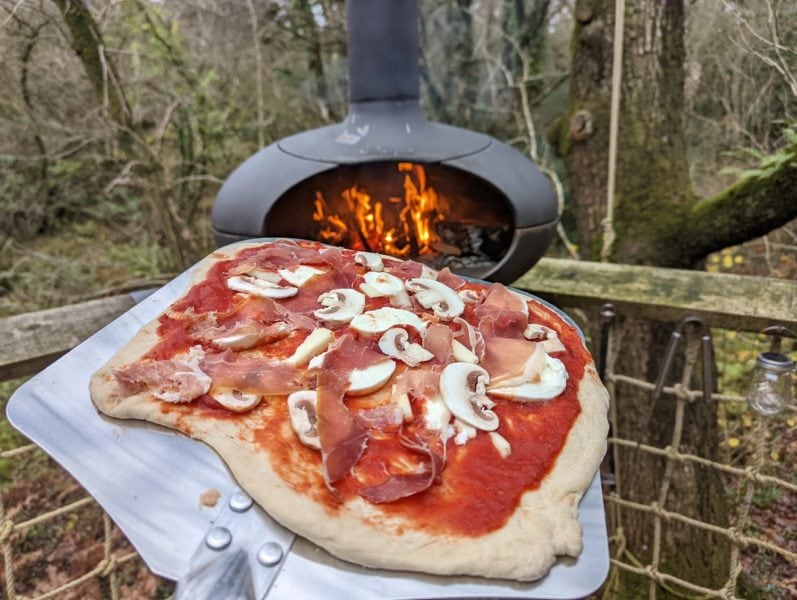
[119, 119]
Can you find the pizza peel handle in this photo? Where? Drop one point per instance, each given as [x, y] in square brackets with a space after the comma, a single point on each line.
[227, 576]
[239, 557]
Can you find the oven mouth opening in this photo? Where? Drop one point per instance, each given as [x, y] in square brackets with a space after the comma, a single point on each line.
[432, 213]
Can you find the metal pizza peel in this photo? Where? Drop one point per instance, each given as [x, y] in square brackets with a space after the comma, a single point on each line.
[152, 481]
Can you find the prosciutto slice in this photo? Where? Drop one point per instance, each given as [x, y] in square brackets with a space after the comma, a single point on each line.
[448, 278]
[437, 339]
[508, 358]
[239, 335]
[177, 379]
[342, 437]
[306, 301]
[420, 382]
[252, 374]
[384, 417]
[290, 254]
[346, 354]
[407, 269]
[502, 313]
[470, 337]
[400, 486]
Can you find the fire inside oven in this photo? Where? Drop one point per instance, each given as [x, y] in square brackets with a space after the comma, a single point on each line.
[435, 214]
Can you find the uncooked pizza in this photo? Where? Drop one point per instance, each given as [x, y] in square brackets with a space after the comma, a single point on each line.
[397, 416]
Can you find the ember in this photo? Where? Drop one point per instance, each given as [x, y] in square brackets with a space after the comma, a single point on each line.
[427, 212]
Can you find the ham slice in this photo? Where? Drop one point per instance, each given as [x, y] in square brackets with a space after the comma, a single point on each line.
[252, 374]
[502, 313]
[419, 382]
[178, 379]
[346, 354]
[400, 486]
[470, 337]
[437, 339]
[448, 278]
[507, 358]
[407, 269]
[239, 335]
[342, 437]
[290, 254]
[385, 417]
[306, 301]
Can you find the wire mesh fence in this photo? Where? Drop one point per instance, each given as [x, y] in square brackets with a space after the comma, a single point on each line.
[111, 553]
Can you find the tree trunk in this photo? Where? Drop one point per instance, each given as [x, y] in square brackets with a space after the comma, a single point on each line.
[658, 220]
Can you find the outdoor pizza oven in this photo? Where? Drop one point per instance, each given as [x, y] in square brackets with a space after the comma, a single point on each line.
[388, 180]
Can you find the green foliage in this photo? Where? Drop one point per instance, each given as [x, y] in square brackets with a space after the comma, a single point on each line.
[767, 163]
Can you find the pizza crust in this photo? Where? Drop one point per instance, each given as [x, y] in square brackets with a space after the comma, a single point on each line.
[543, 526]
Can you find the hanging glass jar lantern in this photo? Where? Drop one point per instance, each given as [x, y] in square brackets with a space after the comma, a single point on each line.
[770, 387]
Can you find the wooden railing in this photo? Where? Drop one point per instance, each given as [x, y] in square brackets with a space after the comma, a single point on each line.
[31, 341]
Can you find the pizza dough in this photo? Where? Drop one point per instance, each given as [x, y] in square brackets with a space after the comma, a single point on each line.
[285, 478]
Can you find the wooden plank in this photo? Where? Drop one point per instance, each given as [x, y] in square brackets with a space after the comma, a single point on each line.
[720, 299]
[31, 341]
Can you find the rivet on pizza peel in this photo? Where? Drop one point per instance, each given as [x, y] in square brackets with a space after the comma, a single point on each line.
[256, 286]
[463, 387]
[444, 301]
[341, 306]
[395, 343]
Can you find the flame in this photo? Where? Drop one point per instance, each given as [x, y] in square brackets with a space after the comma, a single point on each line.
[398, 226]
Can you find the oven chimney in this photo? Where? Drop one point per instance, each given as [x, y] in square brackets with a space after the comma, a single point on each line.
[386, 125]
[383, 50]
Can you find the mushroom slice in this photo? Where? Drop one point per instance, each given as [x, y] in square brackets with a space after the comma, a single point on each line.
[370, 260]
[367, 380]
[298, 276]
[428, 272]
[373, 322]
[235, 400]
[313, 345]
[469, 296]
[444, 301]
[378, 285]
[259, 287]
[265, 275]
[463, 387]
[237, 341]
[302, 410]
[501, 444]
[462, 354]
[552, 381]
[540, 333]
[342, 305]
[395, 342]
